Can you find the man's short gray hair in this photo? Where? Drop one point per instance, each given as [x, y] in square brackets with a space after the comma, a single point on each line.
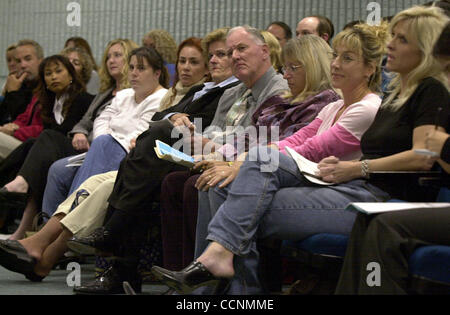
[30, 42]
[254, 33]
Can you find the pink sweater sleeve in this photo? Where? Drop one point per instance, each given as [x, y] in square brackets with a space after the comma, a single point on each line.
[298, 138]
[336, 141]
[341, 139]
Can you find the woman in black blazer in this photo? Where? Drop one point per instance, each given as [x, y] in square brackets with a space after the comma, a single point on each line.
[63, 101]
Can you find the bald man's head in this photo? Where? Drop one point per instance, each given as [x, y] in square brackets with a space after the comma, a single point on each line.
[316, 25]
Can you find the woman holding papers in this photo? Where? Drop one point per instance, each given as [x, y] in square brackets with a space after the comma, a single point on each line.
[51, 145]
[283, 203]
[389, 239]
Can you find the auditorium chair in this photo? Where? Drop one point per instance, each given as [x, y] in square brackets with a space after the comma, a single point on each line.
[429, 265]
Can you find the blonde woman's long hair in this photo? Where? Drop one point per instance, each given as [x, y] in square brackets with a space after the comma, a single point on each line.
[106, 80]
[314, 55]
[274, 48]
[164, 44]
[425, 25]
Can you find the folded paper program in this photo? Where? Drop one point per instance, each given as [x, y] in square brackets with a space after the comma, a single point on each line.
[76, 160]
[166, 152]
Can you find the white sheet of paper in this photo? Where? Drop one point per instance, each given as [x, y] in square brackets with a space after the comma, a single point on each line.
[305, 165]
[79, 157]
[379, 207]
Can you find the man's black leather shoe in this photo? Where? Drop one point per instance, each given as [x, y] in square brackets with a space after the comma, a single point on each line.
[100, 239]
[110, 282]
[190, 278]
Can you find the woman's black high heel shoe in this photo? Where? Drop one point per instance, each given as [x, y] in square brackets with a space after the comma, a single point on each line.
[10, 196]
[190, 278]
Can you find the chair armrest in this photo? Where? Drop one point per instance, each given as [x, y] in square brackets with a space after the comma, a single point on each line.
[431, 173]
[382, 175]
[423, 178]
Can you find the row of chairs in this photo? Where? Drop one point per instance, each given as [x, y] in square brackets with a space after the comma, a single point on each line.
[429, 266]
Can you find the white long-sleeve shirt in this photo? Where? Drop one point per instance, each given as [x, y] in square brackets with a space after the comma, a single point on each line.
[124, 119]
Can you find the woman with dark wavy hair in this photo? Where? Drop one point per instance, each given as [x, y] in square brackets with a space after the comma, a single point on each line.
[63, 102]
[58, 80]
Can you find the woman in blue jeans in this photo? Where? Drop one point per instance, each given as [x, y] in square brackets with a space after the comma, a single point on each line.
[283, 204]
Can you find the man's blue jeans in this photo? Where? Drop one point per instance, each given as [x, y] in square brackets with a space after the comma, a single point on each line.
[280, 204]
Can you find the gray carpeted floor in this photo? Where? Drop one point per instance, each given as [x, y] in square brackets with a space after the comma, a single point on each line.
[56, 283]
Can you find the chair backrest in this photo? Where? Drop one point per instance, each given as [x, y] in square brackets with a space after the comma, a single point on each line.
[444, 195]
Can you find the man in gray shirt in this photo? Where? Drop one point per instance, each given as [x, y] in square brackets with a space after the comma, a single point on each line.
[251, 65]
